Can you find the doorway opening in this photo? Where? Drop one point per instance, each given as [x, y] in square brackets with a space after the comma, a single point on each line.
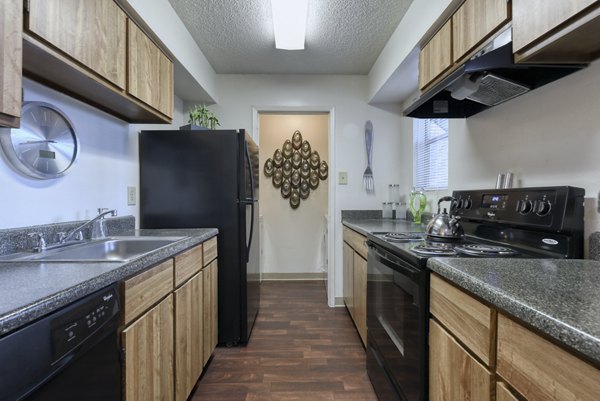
[296, 243]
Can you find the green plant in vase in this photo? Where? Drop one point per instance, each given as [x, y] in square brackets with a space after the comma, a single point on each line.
[201, 115]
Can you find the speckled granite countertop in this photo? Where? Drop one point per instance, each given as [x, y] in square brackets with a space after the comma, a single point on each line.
[370, 226]
[30, 290]
[561, 298]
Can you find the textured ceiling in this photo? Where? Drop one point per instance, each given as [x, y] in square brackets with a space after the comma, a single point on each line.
[342, 36]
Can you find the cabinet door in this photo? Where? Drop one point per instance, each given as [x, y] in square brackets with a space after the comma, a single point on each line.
[210, 309]
[92, 32]
[436, 57]
[189, 357]
[453, 374]
[349, 278]
[474, 21]
[532, 19]
[360, 296]
[214, 298]
[11, 48]
[148, 344]
[150, 72]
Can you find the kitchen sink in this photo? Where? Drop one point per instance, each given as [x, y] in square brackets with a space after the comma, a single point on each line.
[113, 249]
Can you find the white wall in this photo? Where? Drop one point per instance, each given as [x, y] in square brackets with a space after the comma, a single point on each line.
[107, 165]
[347, 94]
[292, 237]
[549, 136]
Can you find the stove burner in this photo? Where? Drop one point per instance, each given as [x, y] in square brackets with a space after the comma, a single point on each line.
[435, 249]
[404, 237]
[484, 250]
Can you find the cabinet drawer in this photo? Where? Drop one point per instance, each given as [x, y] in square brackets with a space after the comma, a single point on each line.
[210, 250]
[469, 320]
[540, 370]
[453, 373]
[187, 264]
[474, 22]
[144, 290]
[436, 56]
[356, 241]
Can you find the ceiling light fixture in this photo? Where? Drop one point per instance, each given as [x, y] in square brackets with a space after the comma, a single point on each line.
[289, 23]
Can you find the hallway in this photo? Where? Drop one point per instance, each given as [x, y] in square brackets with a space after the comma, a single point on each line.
[300, 349]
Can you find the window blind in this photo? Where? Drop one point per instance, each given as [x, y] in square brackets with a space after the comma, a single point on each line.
[430, 138]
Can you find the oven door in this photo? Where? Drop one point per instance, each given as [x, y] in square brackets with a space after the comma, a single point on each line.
[397, 308]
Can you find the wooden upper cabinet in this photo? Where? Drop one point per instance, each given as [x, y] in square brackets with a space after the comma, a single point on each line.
[436, 56]
[93, 32]
[11, 25]
[474, 22]
[556, 31]
[150, 72]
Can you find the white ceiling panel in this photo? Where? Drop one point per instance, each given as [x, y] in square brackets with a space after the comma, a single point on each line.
[342, 36]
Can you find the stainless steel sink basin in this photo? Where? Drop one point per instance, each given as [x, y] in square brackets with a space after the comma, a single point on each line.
[114, 249]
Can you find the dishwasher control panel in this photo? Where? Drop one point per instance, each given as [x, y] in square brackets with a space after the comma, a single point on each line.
[72, 328]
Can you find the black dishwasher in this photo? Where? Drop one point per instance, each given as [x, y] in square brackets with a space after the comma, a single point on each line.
[69, 355]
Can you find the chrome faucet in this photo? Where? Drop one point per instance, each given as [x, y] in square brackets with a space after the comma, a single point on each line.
[96, 232]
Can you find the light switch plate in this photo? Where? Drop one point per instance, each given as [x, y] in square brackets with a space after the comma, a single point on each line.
[131, 196]
[343, 178]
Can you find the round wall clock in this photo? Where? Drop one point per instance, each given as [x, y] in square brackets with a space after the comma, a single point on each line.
[45, 146]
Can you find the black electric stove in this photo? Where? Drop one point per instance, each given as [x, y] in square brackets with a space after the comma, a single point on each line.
[544, 222]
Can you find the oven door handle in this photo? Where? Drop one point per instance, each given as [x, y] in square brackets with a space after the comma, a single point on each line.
[396, 264]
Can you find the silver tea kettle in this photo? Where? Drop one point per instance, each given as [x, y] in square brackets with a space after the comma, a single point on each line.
[444, 226]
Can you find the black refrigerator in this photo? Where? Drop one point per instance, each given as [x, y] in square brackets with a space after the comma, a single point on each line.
[200, 179]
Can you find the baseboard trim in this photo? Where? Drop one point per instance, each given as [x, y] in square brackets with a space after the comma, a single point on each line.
[293, 276]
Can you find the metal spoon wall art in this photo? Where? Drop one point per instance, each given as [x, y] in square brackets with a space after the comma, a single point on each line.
[296, 169]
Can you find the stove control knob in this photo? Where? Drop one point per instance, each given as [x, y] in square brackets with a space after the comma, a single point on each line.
[460, 204]
[542, 207]
[525, 207]
[468, 203]
[454, 205]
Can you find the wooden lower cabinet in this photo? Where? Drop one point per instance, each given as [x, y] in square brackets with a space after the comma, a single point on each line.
[210, 304]
[453, 374]
[148, 345]
[349, 278]
[189, 334]
[360, 296]
[355, 280]
[540, 370]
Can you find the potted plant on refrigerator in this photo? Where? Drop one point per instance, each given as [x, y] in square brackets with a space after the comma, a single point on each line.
[201, 118]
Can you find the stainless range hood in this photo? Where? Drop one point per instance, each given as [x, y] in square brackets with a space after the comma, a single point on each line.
[489, 78]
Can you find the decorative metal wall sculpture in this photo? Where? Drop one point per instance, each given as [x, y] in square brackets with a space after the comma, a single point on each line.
[296, 169]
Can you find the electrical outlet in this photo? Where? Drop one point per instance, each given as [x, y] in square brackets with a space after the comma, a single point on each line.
[131, 196]
[343, 178]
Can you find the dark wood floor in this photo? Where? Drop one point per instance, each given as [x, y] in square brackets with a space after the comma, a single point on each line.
[300, 350]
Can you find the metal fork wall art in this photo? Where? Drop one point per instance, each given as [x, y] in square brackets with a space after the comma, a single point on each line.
[296, 169]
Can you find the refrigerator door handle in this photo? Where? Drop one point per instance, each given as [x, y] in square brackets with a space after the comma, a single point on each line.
[252, 204]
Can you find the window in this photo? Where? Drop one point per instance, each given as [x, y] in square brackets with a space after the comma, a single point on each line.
[430, 138]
